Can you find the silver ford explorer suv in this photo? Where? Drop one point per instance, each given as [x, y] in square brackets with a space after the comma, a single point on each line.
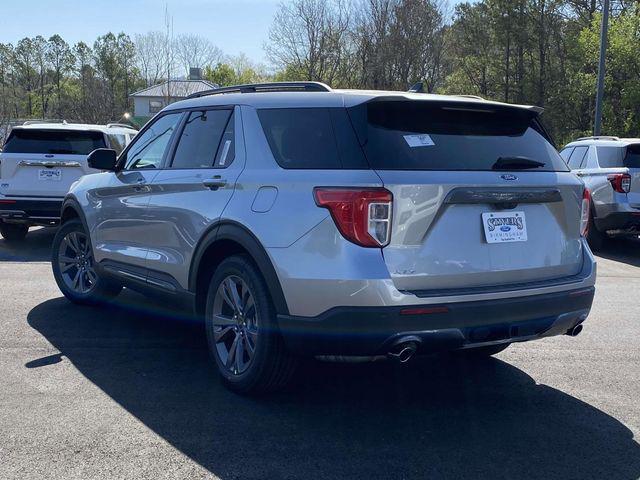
[610, 168]
[304, 221]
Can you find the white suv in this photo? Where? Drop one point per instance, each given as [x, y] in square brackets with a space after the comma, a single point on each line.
[38, 164]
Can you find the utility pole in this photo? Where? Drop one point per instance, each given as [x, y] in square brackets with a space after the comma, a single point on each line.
[597, 127]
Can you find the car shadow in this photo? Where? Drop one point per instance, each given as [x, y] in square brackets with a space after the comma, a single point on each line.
[440, 418]
[624, 250]
[36, 247]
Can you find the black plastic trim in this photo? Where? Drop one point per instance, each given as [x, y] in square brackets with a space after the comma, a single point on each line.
[369, 330]
[229, 230]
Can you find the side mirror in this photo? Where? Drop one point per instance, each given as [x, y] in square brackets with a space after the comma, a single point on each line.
[103, 159]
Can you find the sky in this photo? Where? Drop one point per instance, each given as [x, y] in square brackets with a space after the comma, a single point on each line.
[235, 26]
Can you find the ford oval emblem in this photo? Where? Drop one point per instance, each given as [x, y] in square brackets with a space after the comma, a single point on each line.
[508, 176]
[505, 228]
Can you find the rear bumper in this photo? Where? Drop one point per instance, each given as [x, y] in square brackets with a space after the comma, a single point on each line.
[30, 211]
[617, 216]
[366, 331]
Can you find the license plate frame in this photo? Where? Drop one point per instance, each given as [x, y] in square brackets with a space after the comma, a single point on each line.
[504, 227]
[50, 174]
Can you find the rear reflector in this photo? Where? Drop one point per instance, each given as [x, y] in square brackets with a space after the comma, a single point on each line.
[423, 310]
[584, 212]
[7, 201]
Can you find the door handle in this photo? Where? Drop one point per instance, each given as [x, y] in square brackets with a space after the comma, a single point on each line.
[580, 174]
[214, 183]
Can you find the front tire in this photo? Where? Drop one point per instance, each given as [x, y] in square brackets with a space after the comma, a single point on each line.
[74, 267]
[242, 331]
[13, 232]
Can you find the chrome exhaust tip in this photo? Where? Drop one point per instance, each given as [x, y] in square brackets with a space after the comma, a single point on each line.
[575, 331]
[403, 351]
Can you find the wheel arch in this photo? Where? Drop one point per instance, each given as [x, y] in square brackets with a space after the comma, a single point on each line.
[71, 209]
[221, 241]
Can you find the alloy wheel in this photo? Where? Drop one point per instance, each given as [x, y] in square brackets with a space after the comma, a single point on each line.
[75, 261]
[235, 324]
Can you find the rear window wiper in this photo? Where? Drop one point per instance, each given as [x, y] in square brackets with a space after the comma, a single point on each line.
[516, 163]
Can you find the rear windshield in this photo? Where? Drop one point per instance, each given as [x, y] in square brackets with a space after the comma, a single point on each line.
[69, 142]
[409, 135]
[632, 158]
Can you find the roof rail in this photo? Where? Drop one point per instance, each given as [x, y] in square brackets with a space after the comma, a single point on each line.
[599, 137]
[38, 122]
[476, 97]
[265, 87]
[119, 125]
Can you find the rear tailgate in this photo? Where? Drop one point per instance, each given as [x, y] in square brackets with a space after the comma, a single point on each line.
[632, 162]
[481, 198]
[40, 162]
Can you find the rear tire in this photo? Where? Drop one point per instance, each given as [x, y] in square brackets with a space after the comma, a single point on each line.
[242, 331]
[481, 352]
[13, 232]
[74, 269]
[595, 238]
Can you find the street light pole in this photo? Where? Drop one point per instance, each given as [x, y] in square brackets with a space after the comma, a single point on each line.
[597, 127]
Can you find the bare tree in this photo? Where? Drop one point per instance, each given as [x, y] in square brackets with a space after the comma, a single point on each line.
[310, 37]
[196, 51]
[151, 57]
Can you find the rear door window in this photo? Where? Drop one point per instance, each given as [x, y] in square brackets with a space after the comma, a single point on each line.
[566, 153]
[312, 138]
[201, 138]
[576, 160]
[420, 135]
[610, 157]
[67, 142]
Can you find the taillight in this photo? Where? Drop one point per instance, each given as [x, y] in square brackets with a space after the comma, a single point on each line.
[362, 215]
[584, 212]
[621, 182]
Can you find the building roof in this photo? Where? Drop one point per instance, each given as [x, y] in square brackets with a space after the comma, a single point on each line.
[176, 88]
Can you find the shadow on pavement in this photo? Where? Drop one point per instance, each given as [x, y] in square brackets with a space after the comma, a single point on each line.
[625, 250]
[438, 419]
[36, 247]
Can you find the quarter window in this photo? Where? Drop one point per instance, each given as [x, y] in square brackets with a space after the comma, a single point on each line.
[206, 140]
[312, 138]
[148, 148]
[609, 157]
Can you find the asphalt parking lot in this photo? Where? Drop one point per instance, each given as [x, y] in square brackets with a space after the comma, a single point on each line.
[128, 392]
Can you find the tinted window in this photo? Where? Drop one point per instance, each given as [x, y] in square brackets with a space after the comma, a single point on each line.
[632, 158]
[414, 135]
[312, 138]
[577, 157]
[149, 147]
[566, 153]
[609, 157]
[70, 142]
[200, 139]
[226, 149]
